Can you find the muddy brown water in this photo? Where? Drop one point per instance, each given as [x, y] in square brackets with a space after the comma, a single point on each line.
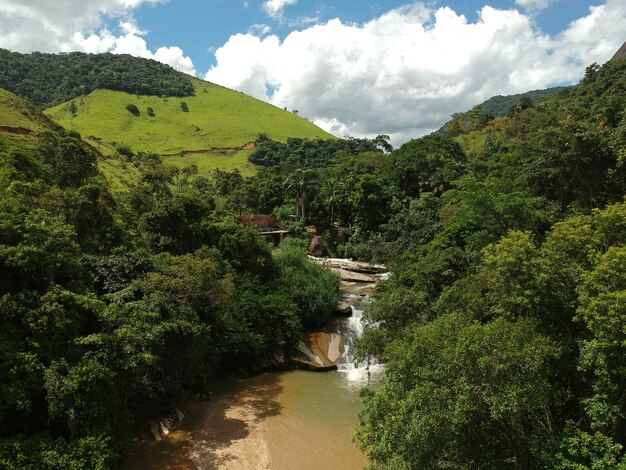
[295, 420]
[280, 421]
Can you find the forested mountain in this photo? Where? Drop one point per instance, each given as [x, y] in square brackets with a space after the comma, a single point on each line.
[496, 106]
[50, 79]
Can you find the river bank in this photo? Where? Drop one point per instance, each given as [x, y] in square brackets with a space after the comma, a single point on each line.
[277, 420]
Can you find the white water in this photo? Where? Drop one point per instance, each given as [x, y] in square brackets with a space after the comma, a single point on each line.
[356, 374]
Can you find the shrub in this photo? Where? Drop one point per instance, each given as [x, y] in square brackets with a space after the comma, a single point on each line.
[134, 110]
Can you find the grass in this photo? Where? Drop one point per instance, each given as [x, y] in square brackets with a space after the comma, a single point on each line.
[120, 174]
[207, 162]
[217, 118]
[17, 112]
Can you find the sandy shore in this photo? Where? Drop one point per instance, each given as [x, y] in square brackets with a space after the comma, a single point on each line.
[233, 437]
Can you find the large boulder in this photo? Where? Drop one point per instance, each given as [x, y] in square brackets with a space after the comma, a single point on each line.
[338, 235]
[318, 247]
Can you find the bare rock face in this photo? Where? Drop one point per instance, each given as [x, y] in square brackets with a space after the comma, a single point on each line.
[318, 247]
[321, 351]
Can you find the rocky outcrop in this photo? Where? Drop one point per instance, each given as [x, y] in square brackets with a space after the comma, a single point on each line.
[318, 247]
[162, 428]
[352, 266]
[320, 351]
[344, 308]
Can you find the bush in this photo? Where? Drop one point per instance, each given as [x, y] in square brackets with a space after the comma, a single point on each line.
[132, 109]
[314, 289]
[184, 107]
[150, 112]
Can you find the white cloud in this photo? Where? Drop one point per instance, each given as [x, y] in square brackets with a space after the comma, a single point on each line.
[534, 5]
[274, 8]
[70, 25]
[407, 71]
[259, 29]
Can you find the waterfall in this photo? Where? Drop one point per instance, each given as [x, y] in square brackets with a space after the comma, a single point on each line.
[358, 375]
[333, 347]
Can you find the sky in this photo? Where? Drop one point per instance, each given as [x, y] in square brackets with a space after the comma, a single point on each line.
[354, 67]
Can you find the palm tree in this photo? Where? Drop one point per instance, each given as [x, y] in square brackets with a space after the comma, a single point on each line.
[331, 192]
[301, 183]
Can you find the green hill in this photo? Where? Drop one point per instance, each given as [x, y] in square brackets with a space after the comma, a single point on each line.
[498, 106]
[20, 117]
[215, 118]
[50, 79]
[20, 122]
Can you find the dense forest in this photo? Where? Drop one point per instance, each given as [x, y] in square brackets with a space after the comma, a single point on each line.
[496, 106]
[51, 79]
[113, 310]
[502, 326]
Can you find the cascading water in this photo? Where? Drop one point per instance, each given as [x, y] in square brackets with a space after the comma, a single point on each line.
[356, 374]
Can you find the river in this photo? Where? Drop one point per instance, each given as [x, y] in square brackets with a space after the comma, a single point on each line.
[279, 420]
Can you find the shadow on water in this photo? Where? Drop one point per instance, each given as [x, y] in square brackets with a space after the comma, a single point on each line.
[213, 426]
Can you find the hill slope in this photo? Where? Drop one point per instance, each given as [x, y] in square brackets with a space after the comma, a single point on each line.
[499, 105]
[18, 116]
[214, 118]
[50, 79]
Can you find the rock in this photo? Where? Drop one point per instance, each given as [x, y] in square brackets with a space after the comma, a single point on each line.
[352, 276]
[343, 308]
[317, 247]
[154, 429]
[165, 426]
[349, 265]
[179, 414]
[338, 234]
[319, 352]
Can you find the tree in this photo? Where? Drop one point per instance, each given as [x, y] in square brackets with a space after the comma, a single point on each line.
[462, 395]
[301, 184]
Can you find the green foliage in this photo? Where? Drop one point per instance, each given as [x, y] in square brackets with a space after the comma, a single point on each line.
[307, 152]
[579, 450]
[314, 289]
[43, 451]
[428, 164]
[462, 395]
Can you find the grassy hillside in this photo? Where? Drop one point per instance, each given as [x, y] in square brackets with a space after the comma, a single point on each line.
[16, 112]
[216, 117]
[20, 121]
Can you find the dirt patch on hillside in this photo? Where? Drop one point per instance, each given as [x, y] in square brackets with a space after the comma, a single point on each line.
[15, 130]
[249, 145]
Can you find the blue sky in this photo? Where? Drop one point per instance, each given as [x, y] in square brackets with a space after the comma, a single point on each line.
[352, 67]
